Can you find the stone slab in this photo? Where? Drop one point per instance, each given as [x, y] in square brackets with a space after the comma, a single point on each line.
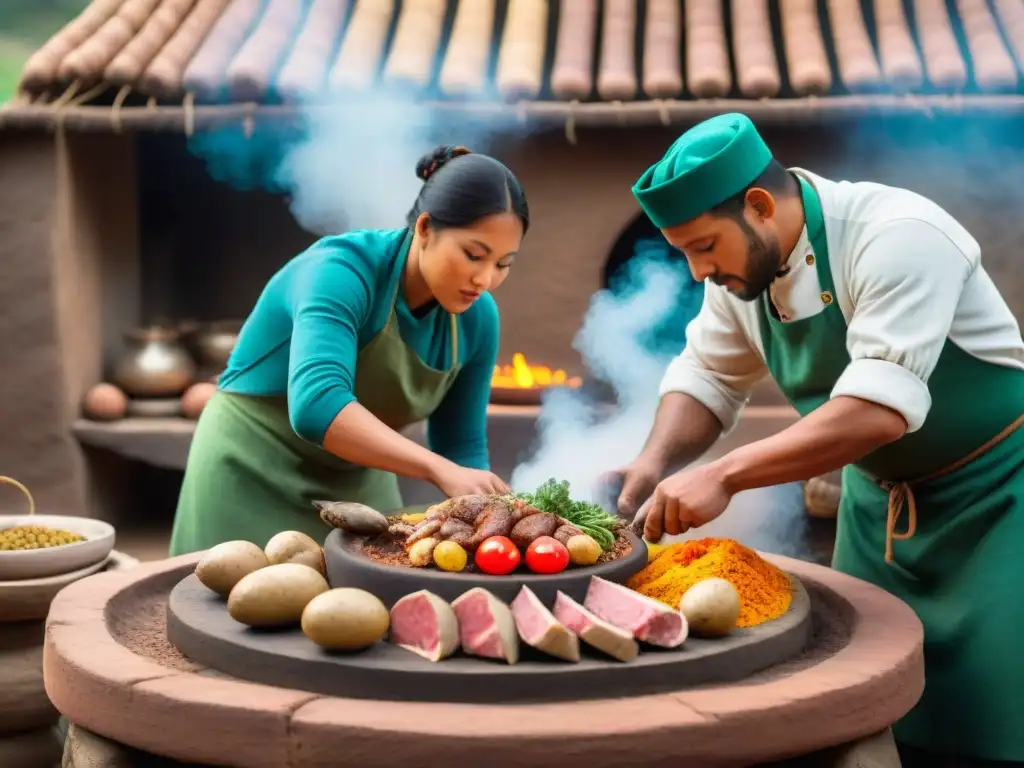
[349, 567]
[199, 626]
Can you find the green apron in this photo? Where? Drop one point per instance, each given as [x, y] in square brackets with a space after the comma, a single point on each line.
[249, 476]
[958, 564]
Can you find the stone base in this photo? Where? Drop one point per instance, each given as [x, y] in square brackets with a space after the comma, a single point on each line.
[40, 748]
[23, 702]
[26, 714]
[84, 749]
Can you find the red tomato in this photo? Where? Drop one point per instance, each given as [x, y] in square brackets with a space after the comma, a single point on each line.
[497, 555]
[547, 555]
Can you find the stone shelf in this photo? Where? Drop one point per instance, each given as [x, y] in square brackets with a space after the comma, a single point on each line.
[161, 442]
[164, 442]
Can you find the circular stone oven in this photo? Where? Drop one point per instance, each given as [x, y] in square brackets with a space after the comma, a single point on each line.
[109, 668]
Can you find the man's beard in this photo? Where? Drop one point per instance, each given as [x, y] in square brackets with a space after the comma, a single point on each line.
[764, 257]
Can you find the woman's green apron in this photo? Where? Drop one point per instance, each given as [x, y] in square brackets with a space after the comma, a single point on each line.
[956, 559]
[249, 476]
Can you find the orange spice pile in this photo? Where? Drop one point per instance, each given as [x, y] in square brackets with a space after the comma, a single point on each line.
[765, 591]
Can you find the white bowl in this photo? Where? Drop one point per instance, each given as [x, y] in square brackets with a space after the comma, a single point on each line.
[53, 561]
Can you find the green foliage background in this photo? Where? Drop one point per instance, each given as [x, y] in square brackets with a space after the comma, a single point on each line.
[24, 26]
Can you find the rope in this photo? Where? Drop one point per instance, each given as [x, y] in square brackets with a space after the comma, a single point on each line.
[190, 114]
[249, 121]
[68, 94]
[901, 494]
[92, 93]
[4, 480]
[115, 108]
[570, 123]
[69, 99]
[666, 118]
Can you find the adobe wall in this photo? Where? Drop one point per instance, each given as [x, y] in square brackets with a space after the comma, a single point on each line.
[67, 213]
[35, 447]
[225, 246]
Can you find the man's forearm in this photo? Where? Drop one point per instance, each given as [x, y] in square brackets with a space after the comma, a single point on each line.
[684, 429]
[840, 432]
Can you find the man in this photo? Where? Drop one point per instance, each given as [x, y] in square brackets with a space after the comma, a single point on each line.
[869, 307]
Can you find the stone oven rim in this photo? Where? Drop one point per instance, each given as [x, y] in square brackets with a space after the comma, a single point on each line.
[103, 686]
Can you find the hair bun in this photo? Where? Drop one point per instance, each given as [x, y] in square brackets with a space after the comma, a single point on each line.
[432, 162]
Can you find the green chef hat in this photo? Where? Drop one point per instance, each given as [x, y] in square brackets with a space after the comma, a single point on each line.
[705, 166]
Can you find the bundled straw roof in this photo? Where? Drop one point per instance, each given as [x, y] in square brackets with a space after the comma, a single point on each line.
[620, 58]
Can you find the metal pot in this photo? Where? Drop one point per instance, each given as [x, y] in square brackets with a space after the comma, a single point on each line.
[216, 341]
[155, 364]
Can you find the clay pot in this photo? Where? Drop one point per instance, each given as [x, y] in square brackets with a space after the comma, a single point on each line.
[155, 364]
[216, 341]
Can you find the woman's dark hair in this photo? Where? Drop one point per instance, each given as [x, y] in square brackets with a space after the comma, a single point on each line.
[460, 188]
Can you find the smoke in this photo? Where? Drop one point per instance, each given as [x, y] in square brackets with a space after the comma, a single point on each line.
[348, 163]
[629, 334]
[580, 438]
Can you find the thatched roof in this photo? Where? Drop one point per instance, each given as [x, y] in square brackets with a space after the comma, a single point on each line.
[626, 60]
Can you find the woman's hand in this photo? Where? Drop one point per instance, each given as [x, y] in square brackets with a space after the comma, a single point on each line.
[454, 480]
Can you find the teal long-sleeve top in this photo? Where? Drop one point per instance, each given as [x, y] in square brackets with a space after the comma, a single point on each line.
[305, 332]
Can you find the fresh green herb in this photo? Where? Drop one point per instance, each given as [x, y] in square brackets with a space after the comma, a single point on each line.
[553, 496]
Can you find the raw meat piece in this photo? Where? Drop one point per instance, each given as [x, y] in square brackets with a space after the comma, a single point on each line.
[486, 626]
[426, 625]
[617, 643]
[566, 531]
[468, 520]
[649, 621]
[533, 527]
[539, 628]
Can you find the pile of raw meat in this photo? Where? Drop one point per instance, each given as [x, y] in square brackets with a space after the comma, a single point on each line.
[612, 619]
[469, 520]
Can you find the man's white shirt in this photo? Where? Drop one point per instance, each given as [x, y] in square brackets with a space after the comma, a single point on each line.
[907, 277]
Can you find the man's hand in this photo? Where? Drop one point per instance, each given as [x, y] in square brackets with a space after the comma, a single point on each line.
[685, 500]
[631, 485]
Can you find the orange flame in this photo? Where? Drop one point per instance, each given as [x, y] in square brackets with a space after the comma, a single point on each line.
[523, 375]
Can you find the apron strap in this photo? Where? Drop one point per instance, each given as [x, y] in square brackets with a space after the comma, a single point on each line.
[455, 341]
[901, 494]
[394, 301]
[454, 323]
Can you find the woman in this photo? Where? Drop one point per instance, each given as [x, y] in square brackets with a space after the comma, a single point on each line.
[362, 335]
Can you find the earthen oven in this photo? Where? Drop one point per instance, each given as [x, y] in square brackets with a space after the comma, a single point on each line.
[109, 222]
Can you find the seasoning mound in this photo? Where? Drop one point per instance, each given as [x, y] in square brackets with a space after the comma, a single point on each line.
[765, 591]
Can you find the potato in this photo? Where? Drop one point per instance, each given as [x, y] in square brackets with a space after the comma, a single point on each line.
[345, 620]
[711, 607]
[583, 549]
[226, 564]
[420, 553]
[275, 595]
[449, 556]
[295, 547]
